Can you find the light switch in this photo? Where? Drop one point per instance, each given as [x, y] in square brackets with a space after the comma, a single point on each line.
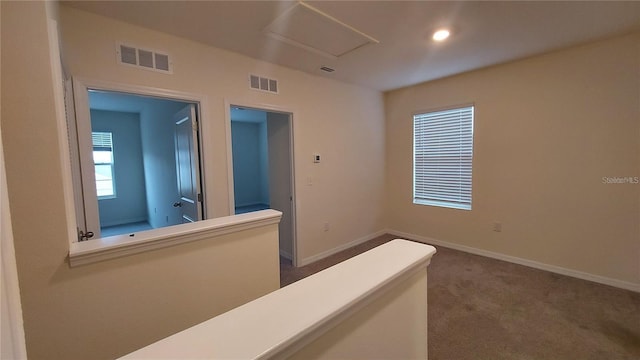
[316, 158]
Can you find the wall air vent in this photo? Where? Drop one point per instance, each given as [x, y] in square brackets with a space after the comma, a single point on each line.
[144, 58]
[263, 84]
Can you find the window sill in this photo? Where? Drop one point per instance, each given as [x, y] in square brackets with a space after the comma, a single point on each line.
[87, 252]
[443, 204]
[107, 197]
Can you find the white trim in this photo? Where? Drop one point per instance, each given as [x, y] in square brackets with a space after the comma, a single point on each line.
[227, 129]
[74, 171]
[62, 127]
[140, 90]
[11, 315]
[516, 260]
[294, 216]
[445, 108]
[268, 108]
[256, 106]
[80, 87]
[87, 252]
[88, 180]
[207, 152]
[324, 254]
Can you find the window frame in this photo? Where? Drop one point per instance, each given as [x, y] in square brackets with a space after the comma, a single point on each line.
[86, 215]
[418, 197]
[111, 164]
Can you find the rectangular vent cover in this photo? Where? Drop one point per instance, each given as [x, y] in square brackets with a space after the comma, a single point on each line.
[144, 58]
[327, 69]
[264, 84]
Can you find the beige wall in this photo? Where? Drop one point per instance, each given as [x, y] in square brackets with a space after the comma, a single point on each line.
[391, 326]
[344, 123]
[110, 308]
[547, 130]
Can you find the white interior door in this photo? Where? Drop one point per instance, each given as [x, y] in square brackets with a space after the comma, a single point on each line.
[85, 169]
[76, 175]
[187, 161]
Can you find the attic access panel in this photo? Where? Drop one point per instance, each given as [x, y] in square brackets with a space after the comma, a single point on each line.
[313, 30]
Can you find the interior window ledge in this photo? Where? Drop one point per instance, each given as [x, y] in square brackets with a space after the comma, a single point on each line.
[87, 252]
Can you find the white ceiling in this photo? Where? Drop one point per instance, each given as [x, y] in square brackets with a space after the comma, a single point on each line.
[484, 33]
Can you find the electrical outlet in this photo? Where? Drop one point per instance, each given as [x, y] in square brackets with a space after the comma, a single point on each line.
[326, 226]
[497, 226]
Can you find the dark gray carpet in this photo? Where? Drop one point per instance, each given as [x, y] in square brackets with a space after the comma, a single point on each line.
[481, 308]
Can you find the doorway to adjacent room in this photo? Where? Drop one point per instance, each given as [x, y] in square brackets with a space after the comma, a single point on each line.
[262, 162]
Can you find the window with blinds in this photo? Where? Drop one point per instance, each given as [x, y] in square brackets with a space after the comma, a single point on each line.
[103, 162]
[442, 158]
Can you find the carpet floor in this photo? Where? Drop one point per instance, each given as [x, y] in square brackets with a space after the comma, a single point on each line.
[481, 308]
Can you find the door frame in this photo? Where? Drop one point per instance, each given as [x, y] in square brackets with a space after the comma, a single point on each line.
[82, 122]
[267, 108]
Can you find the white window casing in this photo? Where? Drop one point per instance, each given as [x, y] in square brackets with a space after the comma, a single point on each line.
[442, 157]
[104, 163]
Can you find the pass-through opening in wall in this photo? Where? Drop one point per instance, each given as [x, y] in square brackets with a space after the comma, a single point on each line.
[154, 170]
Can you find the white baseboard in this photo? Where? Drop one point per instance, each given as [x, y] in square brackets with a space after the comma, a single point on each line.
[324, 254]
[516, 260]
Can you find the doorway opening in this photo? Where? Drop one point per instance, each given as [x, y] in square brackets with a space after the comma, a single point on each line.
[137, 165]
[262, 163]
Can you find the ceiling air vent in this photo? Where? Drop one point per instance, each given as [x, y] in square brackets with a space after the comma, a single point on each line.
[327, 69]
[144, 58]
[263, 84]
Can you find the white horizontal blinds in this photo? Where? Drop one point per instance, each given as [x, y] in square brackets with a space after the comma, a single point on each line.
[443, 152]
[103, 164]
[101, 141]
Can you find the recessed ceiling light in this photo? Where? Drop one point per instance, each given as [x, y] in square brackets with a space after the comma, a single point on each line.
[441, 35]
